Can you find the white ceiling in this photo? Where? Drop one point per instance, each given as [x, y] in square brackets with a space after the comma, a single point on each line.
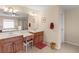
[36, 7]
[42, 7]
[69, 6]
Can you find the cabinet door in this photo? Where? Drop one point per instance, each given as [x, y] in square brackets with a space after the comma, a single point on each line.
[18, 46]
[36, 40]
[0, 47]
[7, 47]
[40, 38]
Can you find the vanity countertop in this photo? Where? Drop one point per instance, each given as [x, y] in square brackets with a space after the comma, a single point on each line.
[35, 31]
[15, 33]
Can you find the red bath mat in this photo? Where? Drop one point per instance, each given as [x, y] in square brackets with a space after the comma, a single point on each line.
[40, 45]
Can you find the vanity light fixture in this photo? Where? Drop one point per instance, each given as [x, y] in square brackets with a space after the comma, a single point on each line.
[10, 9]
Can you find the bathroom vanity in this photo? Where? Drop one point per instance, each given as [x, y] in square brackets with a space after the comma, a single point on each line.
[11, 45]
[38, 36]
[13, 42]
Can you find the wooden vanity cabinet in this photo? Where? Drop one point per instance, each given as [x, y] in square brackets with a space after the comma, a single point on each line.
[11, 45]
[18, 45]
[38, 37]
[7, 47]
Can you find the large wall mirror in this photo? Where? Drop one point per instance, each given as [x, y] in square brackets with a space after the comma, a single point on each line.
[13, 23]
[18, 18]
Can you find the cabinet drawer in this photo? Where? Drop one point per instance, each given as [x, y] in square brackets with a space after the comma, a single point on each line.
[38, 33]
[12, 39]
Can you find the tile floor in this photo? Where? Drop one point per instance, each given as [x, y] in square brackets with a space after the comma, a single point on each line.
[66, 48]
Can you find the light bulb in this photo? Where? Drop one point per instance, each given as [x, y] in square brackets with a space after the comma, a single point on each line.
[10, 10]
[6, 9]
[15, 11]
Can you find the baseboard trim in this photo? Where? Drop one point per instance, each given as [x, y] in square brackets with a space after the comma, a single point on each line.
[71, 43]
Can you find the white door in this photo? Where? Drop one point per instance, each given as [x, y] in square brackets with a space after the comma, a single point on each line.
[62, 27]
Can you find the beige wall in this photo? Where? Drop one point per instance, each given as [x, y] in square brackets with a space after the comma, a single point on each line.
[72, 26]
[35, 21]
[52, 14]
